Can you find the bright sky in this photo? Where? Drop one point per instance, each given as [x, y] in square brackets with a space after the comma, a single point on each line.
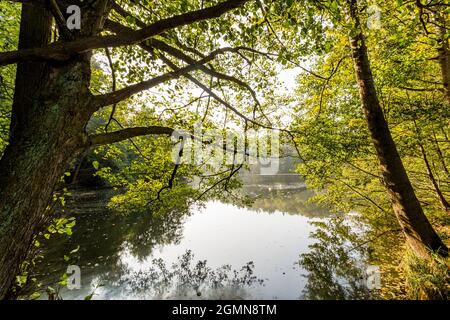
[288, 77]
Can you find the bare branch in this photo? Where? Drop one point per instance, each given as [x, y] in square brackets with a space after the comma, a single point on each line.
[30, 2]
[225, 179]
[421, 89]
[113, 75]
[174, 172]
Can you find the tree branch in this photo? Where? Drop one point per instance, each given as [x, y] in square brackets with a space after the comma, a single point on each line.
[122, 94]
[160, 45]
[184, 57]
[120, 29]
[173, 66]
[113, 75]
[60, 20]
[421, 89]
[124, 134]
[64, 50]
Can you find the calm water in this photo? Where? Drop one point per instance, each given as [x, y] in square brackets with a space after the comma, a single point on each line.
[216, 251]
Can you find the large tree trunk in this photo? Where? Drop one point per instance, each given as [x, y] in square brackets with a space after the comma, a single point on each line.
[52, 105]
[47, 132]
[36, 158]
[35, 32]
[418, 231]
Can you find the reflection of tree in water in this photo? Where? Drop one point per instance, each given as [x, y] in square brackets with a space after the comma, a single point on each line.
[288, 200]
[101, 236]
[149, 232]
[188, 279]
[285, 193]
[335, 266]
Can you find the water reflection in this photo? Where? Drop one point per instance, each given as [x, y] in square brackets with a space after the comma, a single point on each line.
[185, 279]
[283, 193]
[152, 256]
[102, 238]
[335, 265]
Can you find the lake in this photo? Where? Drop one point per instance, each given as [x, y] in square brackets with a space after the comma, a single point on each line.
[215, 251]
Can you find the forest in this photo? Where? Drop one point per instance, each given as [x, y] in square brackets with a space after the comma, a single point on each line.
[137, 136]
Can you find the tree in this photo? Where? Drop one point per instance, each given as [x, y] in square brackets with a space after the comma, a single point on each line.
[418, 231]
[48, 127]
[434, 19]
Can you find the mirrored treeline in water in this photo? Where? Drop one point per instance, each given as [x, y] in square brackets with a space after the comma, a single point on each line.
[215, 251]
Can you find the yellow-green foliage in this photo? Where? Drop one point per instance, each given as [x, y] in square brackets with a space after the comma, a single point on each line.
[427, 280]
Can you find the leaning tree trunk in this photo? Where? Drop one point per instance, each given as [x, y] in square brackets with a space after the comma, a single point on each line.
[418, 231]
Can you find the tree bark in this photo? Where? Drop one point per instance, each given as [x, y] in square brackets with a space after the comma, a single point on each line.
[420, 235]
[35, 32]
[47, 132]
[36, 158]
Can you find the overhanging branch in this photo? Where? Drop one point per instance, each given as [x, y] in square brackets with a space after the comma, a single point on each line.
[160, 45]
[64, 50]
[122, 94]
[125, 134]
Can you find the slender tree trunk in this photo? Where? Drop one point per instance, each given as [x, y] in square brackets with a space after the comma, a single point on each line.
[420, 235]
[444, 203]
[444, 54]
[440, 196]
[440, 154]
